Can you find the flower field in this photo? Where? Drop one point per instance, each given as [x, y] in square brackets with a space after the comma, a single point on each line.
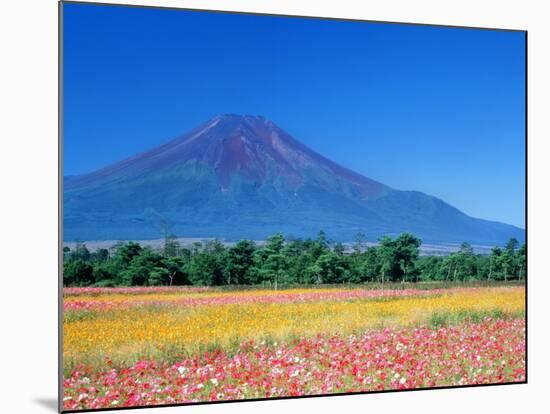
[176, 345]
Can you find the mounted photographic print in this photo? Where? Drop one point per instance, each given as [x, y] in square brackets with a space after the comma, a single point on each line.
[265, 206]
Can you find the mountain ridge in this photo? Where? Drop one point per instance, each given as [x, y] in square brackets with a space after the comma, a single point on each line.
[242, 176]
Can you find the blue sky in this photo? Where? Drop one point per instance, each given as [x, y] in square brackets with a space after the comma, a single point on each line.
[439, 110]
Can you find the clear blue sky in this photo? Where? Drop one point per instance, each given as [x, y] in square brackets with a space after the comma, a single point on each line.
[439, 110]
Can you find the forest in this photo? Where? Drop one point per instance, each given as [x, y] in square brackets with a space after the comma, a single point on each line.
[281, 261]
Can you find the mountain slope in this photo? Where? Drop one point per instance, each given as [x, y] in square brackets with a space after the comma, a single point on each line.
[244, 177]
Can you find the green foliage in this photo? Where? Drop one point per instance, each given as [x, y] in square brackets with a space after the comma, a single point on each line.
[143, 269]
[445, 318]
[207, 265]
[239, 263]
[332, 268]
[177, 270]
[271, 263]
[158, 276]
[431, 268]
[406, 253]
[287, 262]
[78, 272]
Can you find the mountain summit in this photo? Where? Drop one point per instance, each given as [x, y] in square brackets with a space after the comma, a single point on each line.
[235, 147]
[241, 176]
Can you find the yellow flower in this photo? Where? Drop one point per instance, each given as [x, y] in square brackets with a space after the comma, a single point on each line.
[163, 332]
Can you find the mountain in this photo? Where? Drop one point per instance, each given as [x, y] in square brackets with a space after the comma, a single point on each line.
[241, 176]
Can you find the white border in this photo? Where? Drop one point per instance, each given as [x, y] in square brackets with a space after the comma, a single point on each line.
[28, 174]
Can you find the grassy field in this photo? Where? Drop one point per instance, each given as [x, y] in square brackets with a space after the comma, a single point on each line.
[143, 346]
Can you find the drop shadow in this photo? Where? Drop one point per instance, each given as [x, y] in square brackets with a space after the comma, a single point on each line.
[49, 403]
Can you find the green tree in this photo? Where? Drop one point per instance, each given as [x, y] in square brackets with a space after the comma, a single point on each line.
[331, 268]
[126, 252]
[512, 245]
[289, 262]
[80, 251]
[158, 276]
[506, 263]
[511, 260]
[521, 260]
[465, 263]
[144, 269]
[100, 255]
[319, 245]
[298, 260]
[449, 264]
[175, 267]
[370, 265]
[483, 266]
[406, 253]
[239, 263]
[339, 249]
[77, 272]
[430, 268]
[357, 258]
[272, 261]
[207, 266]
[103, 275]
[494, 262]
[314, 273]
[386, 255]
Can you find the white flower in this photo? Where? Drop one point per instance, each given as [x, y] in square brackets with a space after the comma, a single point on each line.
[402, 380]
[114, 402]
[200, 386]
[182, 370]
[214, 381]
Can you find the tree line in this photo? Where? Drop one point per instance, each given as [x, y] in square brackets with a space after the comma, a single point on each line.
[288, 262]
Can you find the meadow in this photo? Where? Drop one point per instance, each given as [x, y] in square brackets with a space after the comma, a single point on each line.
[164, 345]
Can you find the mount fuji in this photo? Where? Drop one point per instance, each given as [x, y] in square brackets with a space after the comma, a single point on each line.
[242, 176]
